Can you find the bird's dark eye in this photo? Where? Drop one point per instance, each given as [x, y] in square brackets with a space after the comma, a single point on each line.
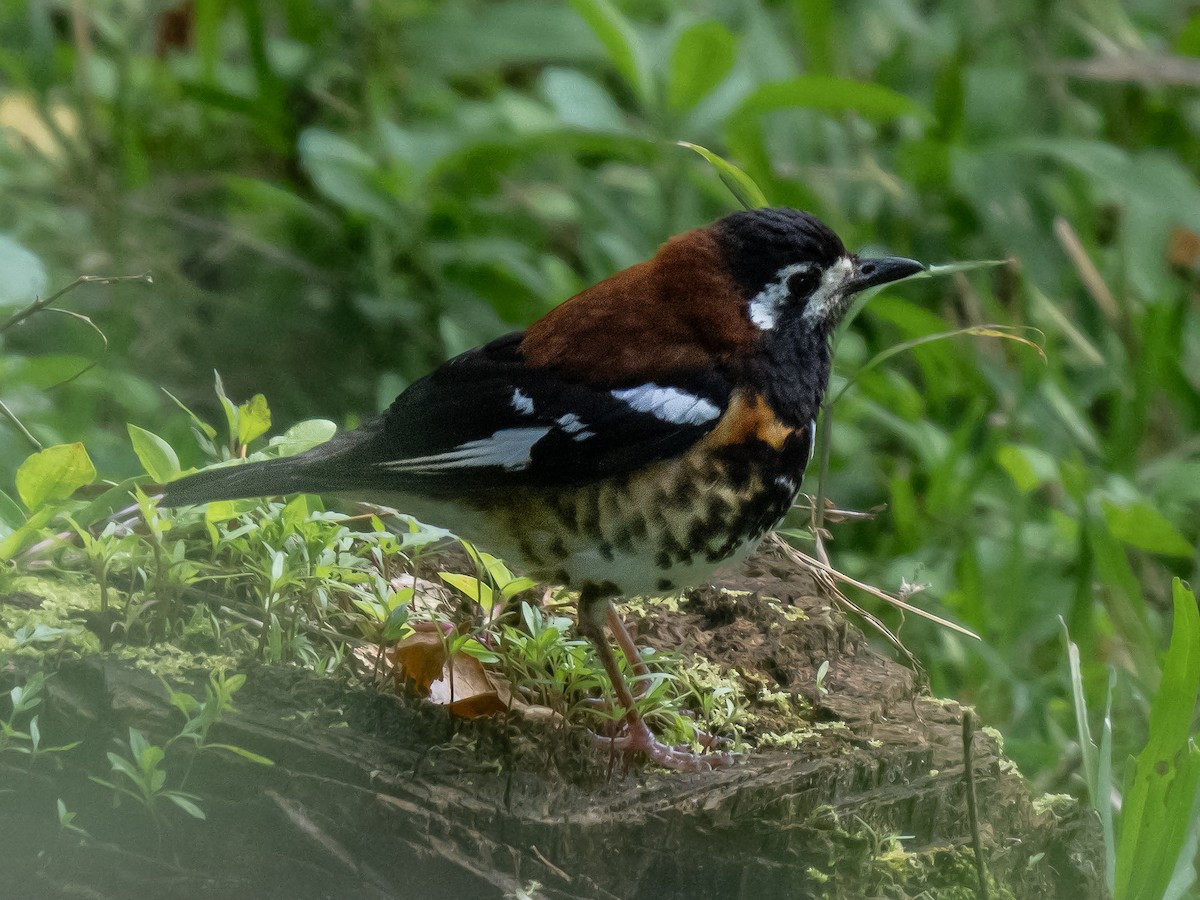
[804, 283]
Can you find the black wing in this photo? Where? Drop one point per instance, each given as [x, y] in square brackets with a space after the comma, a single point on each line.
[487, 420]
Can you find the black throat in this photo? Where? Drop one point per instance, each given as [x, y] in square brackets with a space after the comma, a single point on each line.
[792, 369]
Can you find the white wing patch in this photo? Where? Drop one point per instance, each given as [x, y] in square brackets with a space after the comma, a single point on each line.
[511, 448]
[669, 404]
[508, 448]
[765, 305]
[571, 424]
[522, 403]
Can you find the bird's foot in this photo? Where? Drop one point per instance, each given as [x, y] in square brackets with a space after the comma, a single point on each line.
[638, 738]
[703, 738]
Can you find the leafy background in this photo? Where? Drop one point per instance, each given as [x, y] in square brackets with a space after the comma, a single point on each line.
[334, 198]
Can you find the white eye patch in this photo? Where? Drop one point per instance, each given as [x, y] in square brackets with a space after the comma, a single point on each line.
[828, 295]
[766, 304]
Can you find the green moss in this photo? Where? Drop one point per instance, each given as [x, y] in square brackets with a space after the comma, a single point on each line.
[787, 611]
[168, 661]
[641, 606]
[947, 873]
[788, 740]
[61, 604]
[995, 736]
[1058, 804]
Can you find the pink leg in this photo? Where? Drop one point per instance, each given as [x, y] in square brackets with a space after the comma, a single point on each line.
[638, 736]
[641, 670]
[627, 645]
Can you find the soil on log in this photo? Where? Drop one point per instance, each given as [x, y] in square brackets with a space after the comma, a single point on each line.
[373, 796]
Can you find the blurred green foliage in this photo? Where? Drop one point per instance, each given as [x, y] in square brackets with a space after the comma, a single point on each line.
[332, 198]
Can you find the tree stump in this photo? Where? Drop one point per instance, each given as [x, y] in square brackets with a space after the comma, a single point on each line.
[373, 796]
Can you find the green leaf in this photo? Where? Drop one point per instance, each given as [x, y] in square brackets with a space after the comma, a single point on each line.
[1083, 731]
[54, 474]
[621, 42]
[1003, 332]
[242, 752]
[828, 94]
[304, 436]
[515, 587]
[740, 184]
[472, 647]
[1187, 42]
[185, 804]
[254, 419]
[1156, 810]
[494, 566]
[10, 513]
[702, 57]
[223, 510]
[25, 535]
[110, 501]
[139, 745]
[346, 174]
[969, 265]
[204, 427]
[1140, 525]
[451, 39]
[579, 101]
[231, 410]
[156, 455]
[125, 767]
[472, 587]
[396, 625]
[1102, 798]
[1028, 467]
[22, 275]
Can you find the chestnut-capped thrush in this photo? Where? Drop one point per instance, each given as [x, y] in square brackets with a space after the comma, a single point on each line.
[632, 440]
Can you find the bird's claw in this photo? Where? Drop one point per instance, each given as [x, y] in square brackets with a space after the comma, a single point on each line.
[703, 738]
[638, 738]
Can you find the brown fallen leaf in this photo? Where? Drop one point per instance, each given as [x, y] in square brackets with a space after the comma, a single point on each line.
[420, 658]
[461, 683]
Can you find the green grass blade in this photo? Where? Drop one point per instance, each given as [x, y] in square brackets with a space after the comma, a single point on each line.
[740, 184]
[1004, 332]
[1102, 799]
[1087, 747]
[1165, 776]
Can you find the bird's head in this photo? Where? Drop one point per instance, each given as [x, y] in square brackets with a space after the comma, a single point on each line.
[794, 272]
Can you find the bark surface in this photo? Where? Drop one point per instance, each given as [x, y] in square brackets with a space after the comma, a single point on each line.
[374, 796]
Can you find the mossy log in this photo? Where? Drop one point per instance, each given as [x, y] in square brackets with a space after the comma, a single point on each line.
[373, 796]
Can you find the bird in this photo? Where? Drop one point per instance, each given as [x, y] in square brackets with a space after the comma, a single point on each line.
[638, 436]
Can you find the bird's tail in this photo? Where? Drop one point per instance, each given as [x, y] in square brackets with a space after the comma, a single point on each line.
[338, 465]
[267, 478]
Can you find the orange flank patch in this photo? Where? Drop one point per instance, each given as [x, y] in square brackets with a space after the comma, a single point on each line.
[750, 419]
